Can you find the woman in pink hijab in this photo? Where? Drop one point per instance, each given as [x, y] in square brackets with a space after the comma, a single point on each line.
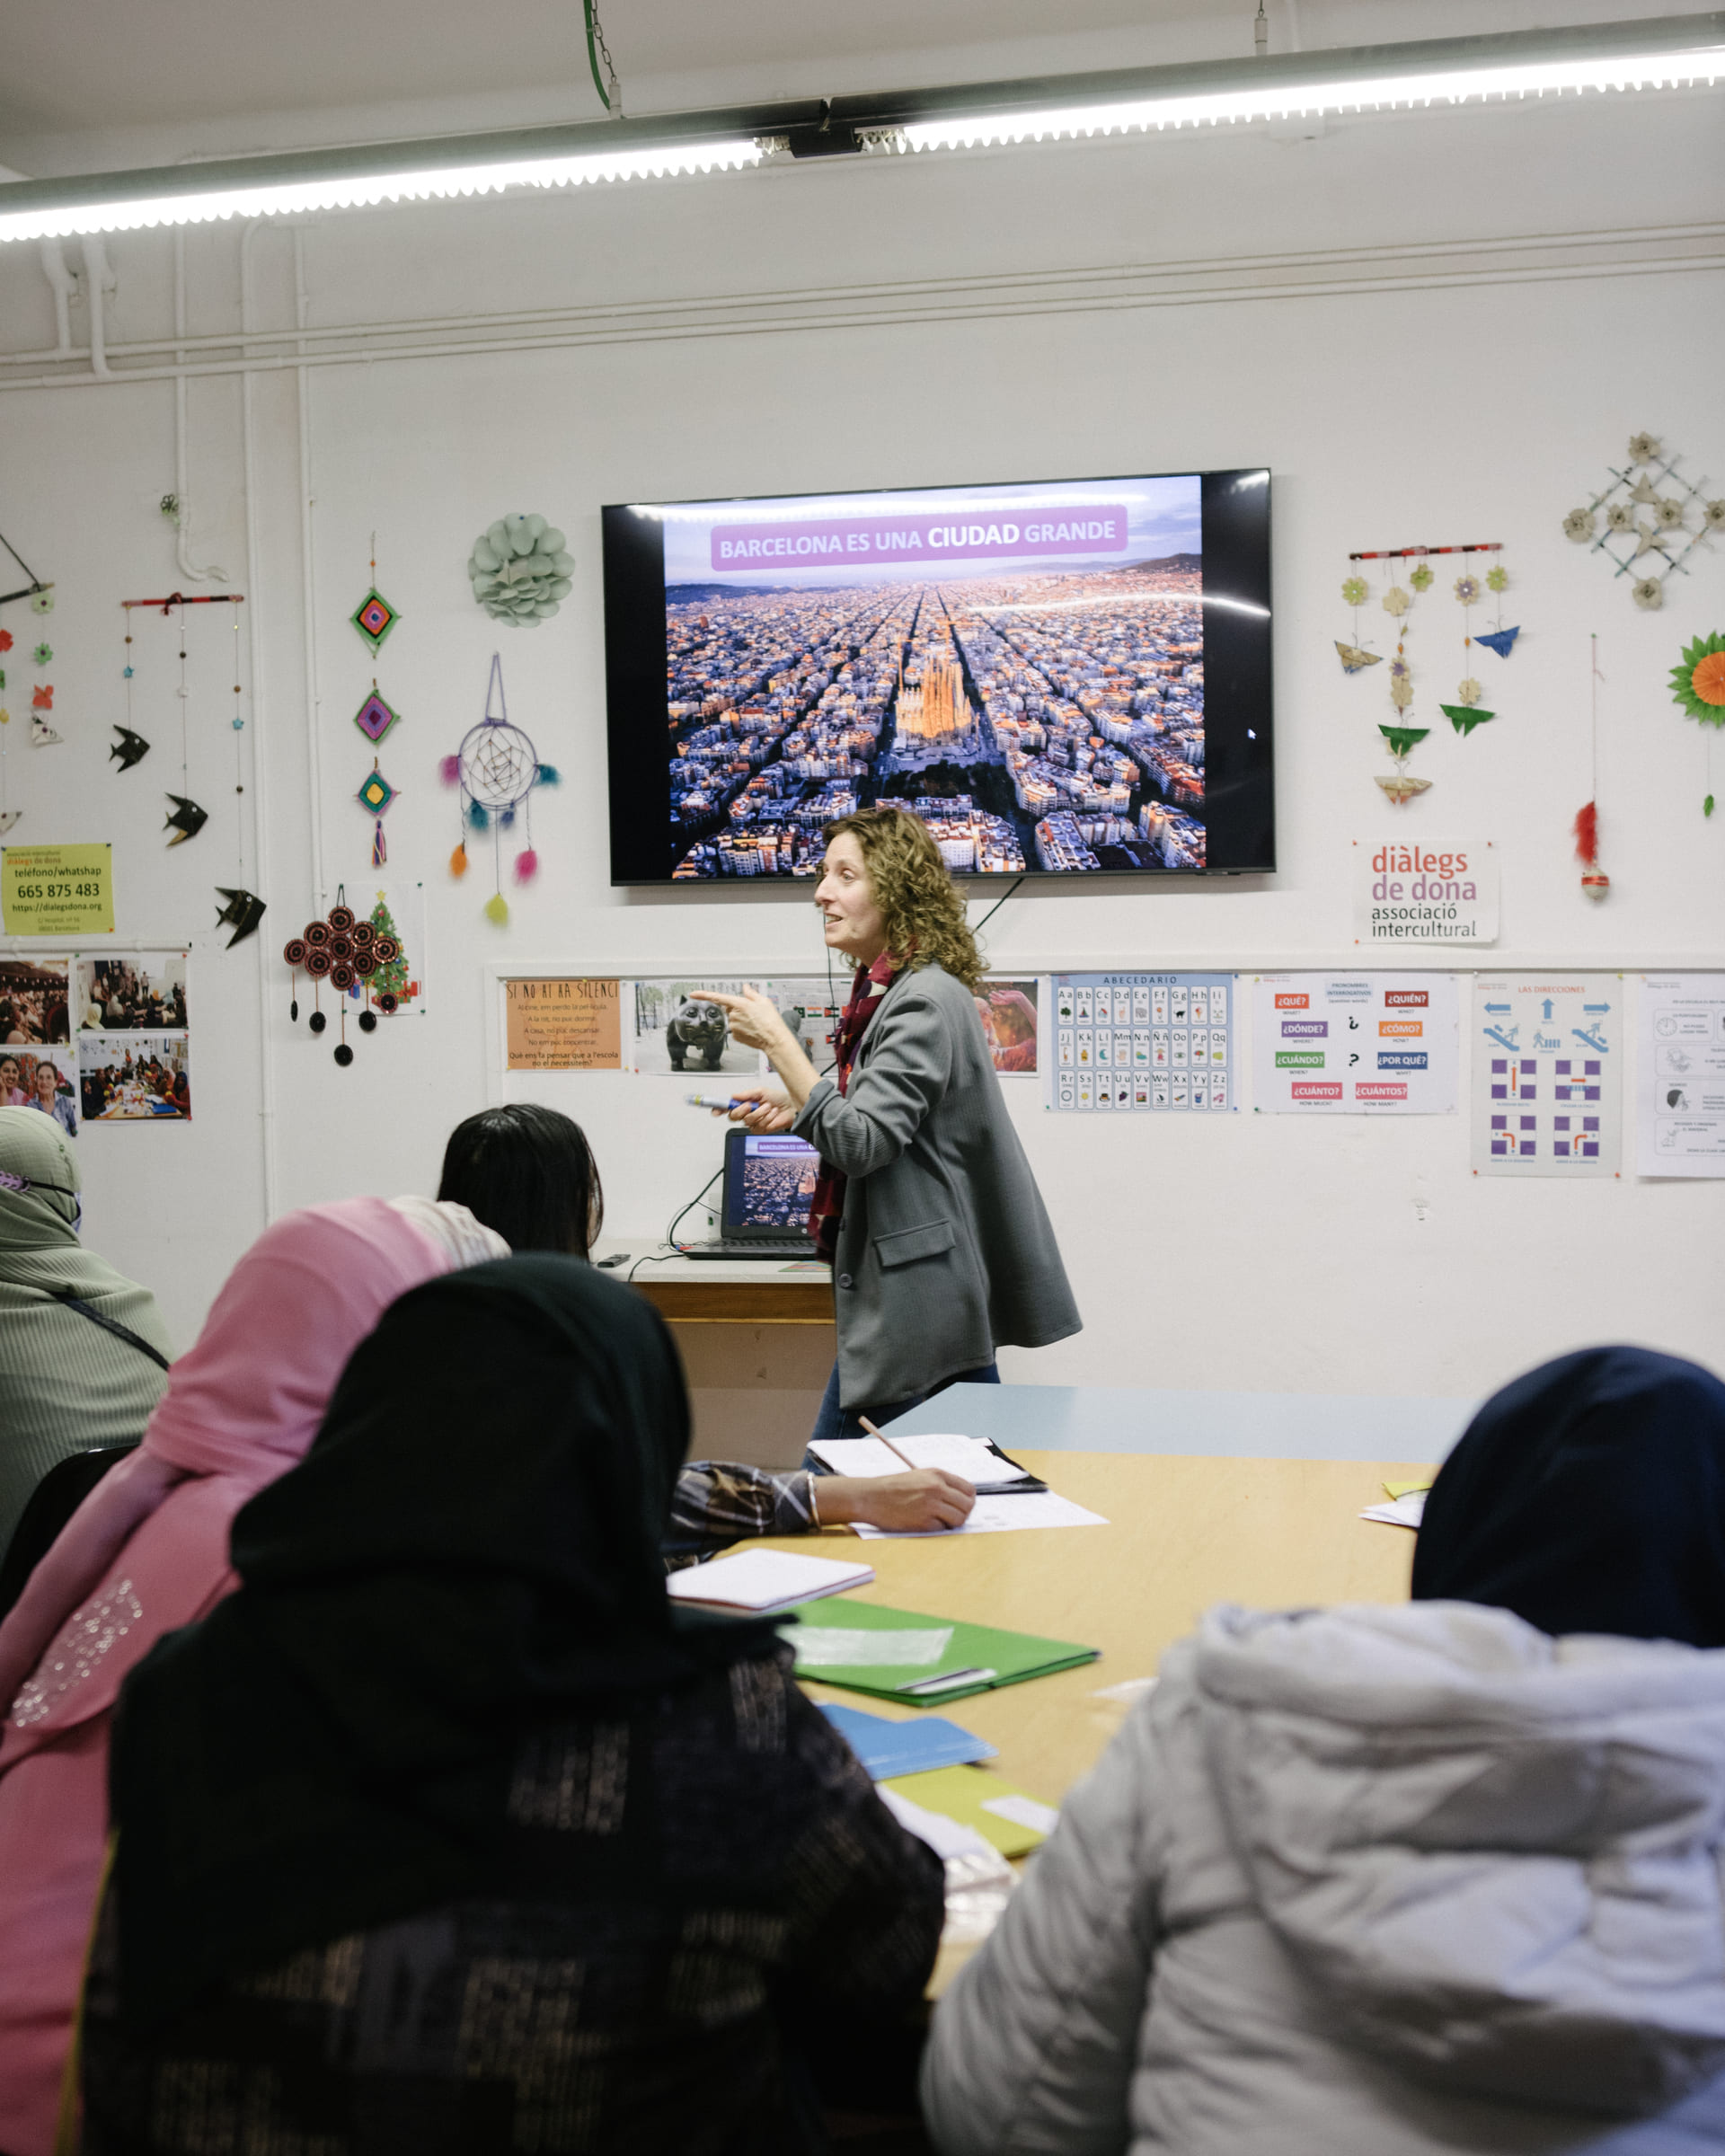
[148, 1551]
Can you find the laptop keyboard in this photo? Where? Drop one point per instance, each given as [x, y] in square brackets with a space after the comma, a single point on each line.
[753, 1246]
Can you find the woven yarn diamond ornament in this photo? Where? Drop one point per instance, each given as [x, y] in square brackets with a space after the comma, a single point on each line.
[374, 617]
[497, 768]
[374, 718]
[374, 797]
[520, 571]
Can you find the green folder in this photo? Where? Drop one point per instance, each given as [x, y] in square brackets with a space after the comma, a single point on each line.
[1010, 1658]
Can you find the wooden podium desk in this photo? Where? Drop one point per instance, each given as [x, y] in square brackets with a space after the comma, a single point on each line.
[756, 1340]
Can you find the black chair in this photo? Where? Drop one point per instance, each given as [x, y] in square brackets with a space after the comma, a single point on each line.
[57, 1497]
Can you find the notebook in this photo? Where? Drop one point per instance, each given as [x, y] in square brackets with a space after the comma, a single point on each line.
[975, 1658]
[764, 1580]
[890, 1748]
[981, 1462]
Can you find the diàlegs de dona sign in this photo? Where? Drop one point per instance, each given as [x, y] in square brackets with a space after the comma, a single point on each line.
[1425, 890]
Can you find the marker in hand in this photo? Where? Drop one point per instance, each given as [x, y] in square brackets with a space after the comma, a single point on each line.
[719, 1107]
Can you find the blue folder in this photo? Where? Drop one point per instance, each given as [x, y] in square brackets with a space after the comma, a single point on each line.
[888, 1749]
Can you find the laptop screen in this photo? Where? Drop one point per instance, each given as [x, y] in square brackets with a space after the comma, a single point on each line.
[769, 1184]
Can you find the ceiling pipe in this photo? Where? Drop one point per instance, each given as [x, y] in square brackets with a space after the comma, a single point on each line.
[1512, 62]
[98, 280]
[181, 517]
[64, 284]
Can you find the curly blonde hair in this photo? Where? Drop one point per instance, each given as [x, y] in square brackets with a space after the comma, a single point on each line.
[924, 913]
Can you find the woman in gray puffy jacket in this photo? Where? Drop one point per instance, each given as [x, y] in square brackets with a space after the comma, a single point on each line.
[1394, 1881]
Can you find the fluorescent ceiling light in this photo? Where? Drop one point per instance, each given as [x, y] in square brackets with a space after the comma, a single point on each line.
[362, 190]
[1342, 93]
[1672, 49]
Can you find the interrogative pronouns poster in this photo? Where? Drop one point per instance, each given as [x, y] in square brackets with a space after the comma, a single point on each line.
[1680, 1075]
[1548, 1059]
[1355, 1043]
[1149, 1043]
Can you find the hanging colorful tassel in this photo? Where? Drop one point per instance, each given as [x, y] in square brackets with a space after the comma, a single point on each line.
[458, 861]
[379, 851]
[1594, 882]
[527, 865]
[449, 770]
[549, 775]
[497, 908]
[477, 816]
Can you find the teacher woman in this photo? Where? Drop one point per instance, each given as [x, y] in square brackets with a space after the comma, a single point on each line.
[941, 1249]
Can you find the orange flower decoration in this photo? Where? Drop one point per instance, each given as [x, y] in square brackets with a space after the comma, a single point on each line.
[43, 698]
[1708, 679]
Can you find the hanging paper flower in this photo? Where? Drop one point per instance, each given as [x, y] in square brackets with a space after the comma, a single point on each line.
[1354, 590]
[1648, 594]
[1714, 516]
[1467, 590]
[1643, 448]
[1420, 578]
[5, 639]
[1400, 670]
[1621, 516]
[1469, 692]
[1698, 683]
[1396, 601]
[43, 655]
[1578, 524]
[1669, 513]
[1401, 694]
[519, 569]
[1497, 578]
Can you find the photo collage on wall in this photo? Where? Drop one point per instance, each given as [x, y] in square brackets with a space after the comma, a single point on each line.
[1161, 1043]
[102, 1038]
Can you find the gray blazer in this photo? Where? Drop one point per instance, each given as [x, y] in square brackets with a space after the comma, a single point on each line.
[944, 1252]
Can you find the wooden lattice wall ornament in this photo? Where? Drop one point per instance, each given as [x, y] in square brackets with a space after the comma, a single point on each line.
[1647, 521]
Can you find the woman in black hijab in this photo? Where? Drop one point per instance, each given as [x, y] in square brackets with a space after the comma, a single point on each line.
[446, 1831]
[1588, 1497]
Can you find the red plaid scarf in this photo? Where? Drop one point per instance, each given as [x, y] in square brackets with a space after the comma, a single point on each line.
[867, 992]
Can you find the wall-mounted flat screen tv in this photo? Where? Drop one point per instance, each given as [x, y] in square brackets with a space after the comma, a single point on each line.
[1062, 678]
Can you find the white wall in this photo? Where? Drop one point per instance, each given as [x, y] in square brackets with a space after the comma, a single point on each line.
[1431, 328]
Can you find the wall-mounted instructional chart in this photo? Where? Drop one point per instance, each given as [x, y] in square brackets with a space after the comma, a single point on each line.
[1355, 1043]
[1143, 1042]
[1548, 1062]
[1680, 1075]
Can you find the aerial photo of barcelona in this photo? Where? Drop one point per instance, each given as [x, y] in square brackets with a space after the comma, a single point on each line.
[1021, 665]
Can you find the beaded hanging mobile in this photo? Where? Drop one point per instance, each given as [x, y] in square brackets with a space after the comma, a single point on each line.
[497, 768]
[348, 953]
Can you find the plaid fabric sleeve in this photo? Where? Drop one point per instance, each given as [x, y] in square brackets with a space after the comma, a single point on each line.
[719, 1501]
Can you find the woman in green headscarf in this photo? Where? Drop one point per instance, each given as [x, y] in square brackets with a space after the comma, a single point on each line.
[69, 1381]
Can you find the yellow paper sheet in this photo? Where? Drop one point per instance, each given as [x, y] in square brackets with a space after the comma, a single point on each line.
[960, 1792]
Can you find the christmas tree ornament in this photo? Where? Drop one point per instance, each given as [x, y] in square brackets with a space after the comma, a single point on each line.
[1698, 689]
[1594, 882]
[393, 984]
[496, 770]
[1647, 520]
[520, 570]
[130, 748]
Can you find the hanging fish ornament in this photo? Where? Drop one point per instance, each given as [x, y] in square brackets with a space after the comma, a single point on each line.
[130, 748]
[242, 913]
[188, 819]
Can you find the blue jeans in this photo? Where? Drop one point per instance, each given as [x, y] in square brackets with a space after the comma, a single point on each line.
[834, 1421]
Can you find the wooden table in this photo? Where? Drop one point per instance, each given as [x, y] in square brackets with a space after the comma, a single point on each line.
[1184, 1533]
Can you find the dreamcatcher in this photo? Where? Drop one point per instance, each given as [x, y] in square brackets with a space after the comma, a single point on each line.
[497, 768]
[347, 952]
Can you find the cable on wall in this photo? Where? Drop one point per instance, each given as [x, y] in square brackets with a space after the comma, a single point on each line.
[610, 90]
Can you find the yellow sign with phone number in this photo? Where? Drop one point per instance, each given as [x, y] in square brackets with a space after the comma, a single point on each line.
[57, 891]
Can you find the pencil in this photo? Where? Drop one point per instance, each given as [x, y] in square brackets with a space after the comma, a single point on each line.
[887, 1440]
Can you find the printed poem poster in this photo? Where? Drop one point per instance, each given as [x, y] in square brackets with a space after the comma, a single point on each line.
[563, 1025]
[1680, 1075]
[1548, 1057]
[1356, 1043]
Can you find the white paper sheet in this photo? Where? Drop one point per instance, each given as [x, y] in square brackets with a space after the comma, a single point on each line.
[1024, 1811]
[997, 1516]
[957, 1455]
[1400, 1512]
[1680, 1075]
[836, 1647]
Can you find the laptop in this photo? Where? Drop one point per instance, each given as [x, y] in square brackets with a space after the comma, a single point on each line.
[769, 1185]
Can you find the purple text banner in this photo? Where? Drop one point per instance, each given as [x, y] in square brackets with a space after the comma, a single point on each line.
[940, 535]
